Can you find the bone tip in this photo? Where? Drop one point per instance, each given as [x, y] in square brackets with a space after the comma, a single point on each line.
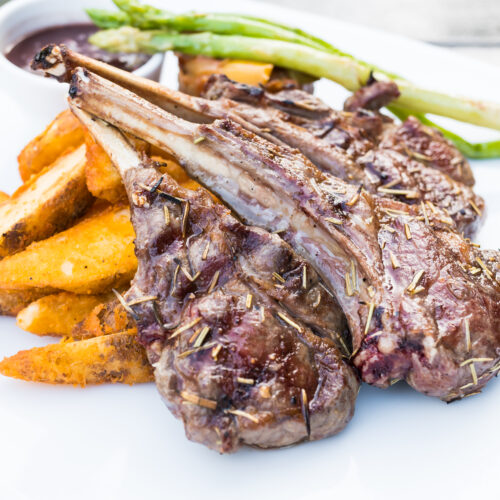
[79, 76]
[50, 60]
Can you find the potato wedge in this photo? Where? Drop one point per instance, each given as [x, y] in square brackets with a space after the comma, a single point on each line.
[91, 257]
[63, 134]
[49, 202]
[105, 319]
[57, 314]
[103, 180]
[13, 301]
[3, 196]
[112, 358]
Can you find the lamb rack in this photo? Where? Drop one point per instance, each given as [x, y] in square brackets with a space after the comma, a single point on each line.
[407, 162]
[422, 303]
[244, 339]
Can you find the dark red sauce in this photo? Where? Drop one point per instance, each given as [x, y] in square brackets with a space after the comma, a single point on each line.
[75, 37]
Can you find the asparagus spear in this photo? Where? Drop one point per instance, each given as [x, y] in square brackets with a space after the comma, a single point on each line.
[146, 17]
[346, 71]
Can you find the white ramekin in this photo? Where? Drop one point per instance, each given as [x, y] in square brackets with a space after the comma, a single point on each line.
[19, 18]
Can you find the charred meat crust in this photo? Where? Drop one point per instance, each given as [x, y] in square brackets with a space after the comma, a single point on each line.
[407, 162]
[237, 375]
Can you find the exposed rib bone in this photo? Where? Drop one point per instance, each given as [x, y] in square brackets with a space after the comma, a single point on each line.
[122, 154]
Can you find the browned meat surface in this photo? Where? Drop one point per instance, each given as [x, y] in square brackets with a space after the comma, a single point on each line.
[373, 96]
[238, 328]
[421, 303]
[428, 146]
[407, 162]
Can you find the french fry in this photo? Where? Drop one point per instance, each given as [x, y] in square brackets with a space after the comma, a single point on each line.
[63, 134]
[49, 202]
[111, 358]
[57, 314]
[105, 319]
[91, 257]
[103, 180]
[13, 301]
[3, 196]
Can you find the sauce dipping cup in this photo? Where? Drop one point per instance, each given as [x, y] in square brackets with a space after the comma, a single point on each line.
[44, 97]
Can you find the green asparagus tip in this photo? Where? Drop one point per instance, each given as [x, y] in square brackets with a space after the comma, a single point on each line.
[124, 39]
[105, 19]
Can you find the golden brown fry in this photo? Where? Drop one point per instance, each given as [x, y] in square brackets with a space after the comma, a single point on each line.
[49, 202]
[103, 180]
[13, 301]
[112, 358]
[63, 134]
[58, 313]
[106, 318]
[90, 257]
[3, 197]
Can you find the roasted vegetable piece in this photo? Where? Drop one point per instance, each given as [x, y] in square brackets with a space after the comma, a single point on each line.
[49, 202]
[90, 257]
[63, 134]
[3, 196]
[195, 71]
[13, 301]
[112, 358]
[103, 180]
[106, 318]
[58, 313]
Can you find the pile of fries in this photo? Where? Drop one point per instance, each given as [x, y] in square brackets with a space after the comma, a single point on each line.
[66, 243]
[67, 249]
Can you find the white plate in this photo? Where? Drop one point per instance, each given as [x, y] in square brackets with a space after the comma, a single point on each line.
[119, 442]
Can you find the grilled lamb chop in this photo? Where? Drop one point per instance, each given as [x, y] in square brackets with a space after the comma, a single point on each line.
[408, 162]
[422, 303]
[352, 146]
[236, 325]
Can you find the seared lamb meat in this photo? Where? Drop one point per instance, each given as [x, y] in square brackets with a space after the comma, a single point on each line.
[348, 145]
[421, 302]
[373, 96]
[358, 129]
[407, 162]
[237, 327]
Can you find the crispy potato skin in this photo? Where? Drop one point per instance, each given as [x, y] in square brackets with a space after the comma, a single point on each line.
[105, 319]
[103, 180]
[13, 301]
[57, 314]
[111, 358]
[63, 134]
[91, 257]
[49, 202]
